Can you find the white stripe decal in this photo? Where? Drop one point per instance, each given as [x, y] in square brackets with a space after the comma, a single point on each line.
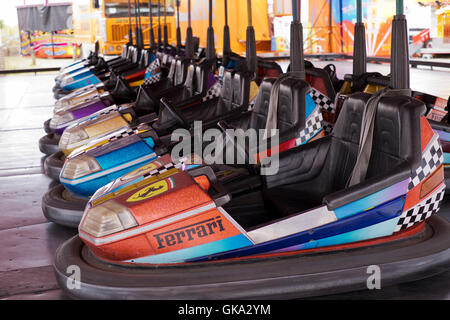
[145, 228]
[105, 172]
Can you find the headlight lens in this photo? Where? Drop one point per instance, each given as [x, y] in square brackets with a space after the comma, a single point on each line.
[72, 136]
[107, 218]
[80, 166]
[61, 118]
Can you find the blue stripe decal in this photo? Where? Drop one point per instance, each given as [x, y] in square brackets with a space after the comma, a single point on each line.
[372, 200]
[443, 135]
[182, 255]
[310, 106]
[387, 211]
[446, 158]
[125, 154]
[82, 83]
[378, 230]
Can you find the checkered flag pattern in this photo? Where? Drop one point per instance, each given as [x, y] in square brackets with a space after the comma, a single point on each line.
[152, 79]
[105, 111]
[421, 211]
[432, 158]
[322, 100]
[213, 92]
[153, 72]
[313, 126]
[122, 134]
[162, 169]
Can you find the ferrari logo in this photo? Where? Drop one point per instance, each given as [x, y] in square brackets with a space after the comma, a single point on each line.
[152, 190]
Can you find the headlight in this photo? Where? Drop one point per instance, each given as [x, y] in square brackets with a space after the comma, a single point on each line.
[61, 118]
[72, 136]
[107, 218]
[80, 166]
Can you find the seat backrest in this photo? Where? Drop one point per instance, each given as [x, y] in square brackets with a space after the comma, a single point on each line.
[234, 93]
[135, 55]
[320, 80]
[396, 137]
[143, 61]
[397, 134]
[198, 77]
[178, 71]
[290, 108]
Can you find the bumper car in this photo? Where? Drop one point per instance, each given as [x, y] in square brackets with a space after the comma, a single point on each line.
[365, 195]
[325, 202]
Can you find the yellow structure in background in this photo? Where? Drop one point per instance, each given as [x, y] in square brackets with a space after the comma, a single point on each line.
[107, 21]
[443, 24]
[237, 22]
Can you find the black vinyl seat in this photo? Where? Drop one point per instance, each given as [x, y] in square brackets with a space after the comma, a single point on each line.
[233, 100]
[290, 109]
[317, 173]
[149, 94]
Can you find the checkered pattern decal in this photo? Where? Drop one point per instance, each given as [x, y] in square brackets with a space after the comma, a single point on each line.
[314, 124]
[432, 158]
[322, 100]
[123, 134]
[153, 72]
[325, 104]
[105, 111]
[162, 169]
[213, 92]
[153, 79]
[421, 211]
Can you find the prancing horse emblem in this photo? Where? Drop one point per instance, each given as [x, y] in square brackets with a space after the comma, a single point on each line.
[152, 190]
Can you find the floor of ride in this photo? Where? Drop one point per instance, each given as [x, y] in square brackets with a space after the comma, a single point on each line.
[28, 241]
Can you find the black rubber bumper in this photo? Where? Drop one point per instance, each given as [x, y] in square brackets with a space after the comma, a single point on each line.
[62, 207]
[53, 165]
[48, 144]
[58, 93]
[47, 126]
[293, 276]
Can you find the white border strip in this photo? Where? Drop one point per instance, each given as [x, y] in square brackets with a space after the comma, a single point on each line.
[298, 223]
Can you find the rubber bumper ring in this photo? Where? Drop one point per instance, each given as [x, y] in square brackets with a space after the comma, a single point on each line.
[287, 277]
[53, 165]
[47, 126]
[66, 212]
[48, 144]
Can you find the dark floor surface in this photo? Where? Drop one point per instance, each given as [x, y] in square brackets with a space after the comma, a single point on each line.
[28, 242]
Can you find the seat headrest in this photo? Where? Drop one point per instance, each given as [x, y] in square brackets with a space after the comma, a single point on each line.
[290, 108]
[348, 124]
[234, 92]
[396, 129]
